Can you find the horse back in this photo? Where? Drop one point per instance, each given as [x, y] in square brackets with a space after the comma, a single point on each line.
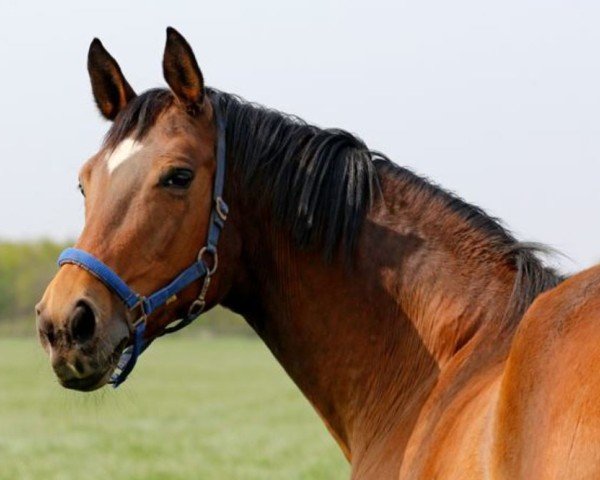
[547, 422]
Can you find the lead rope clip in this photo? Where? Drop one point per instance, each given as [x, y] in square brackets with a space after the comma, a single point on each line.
[198, 305]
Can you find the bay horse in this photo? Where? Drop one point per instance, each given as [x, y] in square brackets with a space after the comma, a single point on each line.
[396, 307]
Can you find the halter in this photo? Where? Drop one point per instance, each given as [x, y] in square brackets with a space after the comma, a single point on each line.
[203, 268]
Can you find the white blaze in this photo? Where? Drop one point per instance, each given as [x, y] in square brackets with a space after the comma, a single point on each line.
[123, 152]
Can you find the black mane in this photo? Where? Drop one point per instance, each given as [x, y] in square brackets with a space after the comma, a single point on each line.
[321, 183]
[532, 276]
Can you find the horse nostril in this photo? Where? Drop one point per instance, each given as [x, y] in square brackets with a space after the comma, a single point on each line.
[83, 322]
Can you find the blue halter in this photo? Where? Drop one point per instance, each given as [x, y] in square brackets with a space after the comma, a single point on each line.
[203, 268]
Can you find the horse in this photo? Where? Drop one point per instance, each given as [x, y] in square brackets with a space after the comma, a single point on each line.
[403, 313]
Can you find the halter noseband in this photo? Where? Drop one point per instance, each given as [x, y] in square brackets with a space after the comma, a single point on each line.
[203, 268]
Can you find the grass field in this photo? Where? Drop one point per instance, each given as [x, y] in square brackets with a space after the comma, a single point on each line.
[193, 409]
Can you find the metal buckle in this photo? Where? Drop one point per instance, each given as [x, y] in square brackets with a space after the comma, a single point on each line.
[221, 208]
[143, 315]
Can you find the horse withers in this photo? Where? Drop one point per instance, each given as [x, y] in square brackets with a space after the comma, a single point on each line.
[390, 302]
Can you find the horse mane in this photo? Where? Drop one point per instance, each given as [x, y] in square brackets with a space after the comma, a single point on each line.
[532, 276]
[321, 183]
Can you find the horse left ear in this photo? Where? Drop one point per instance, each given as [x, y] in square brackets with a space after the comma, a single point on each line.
[181, 71]
[111, 90]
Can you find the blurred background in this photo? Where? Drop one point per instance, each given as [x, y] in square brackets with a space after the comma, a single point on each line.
[497, 101]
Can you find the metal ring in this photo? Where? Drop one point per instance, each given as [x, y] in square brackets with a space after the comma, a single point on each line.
[196, 308]
[143, 315]
[215, 259]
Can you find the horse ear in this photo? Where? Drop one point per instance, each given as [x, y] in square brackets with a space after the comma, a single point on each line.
[111, 91]
[181, 71]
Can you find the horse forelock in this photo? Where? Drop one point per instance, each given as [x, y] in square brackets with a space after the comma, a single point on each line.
[135, 121]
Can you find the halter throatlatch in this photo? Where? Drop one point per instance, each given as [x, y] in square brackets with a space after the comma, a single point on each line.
[203, 268]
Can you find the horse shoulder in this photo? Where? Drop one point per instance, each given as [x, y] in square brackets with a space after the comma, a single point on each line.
[547, 421]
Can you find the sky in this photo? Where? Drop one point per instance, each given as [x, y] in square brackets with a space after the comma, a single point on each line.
[496, 101]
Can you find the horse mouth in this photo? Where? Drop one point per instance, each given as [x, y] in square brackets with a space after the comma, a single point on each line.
[97, 380]
[87, 384]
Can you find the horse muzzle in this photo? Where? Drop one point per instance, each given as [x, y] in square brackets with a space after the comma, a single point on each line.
[82, 328]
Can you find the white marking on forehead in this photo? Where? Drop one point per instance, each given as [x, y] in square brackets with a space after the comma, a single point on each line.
[123, 152]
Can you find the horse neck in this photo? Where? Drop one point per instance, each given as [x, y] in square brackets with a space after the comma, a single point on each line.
[366, 344]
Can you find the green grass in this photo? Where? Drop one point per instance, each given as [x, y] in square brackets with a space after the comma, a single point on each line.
[193, 409]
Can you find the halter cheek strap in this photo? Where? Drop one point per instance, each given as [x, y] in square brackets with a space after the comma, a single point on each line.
[203, 268]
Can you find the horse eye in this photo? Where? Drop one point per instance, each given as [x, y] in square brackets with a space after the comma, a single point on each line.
[80, 187]
[178, 178]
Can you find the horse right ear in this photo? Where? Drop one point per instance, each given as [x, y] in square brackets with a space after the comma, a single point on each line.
[182, 72]
[111, 91]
